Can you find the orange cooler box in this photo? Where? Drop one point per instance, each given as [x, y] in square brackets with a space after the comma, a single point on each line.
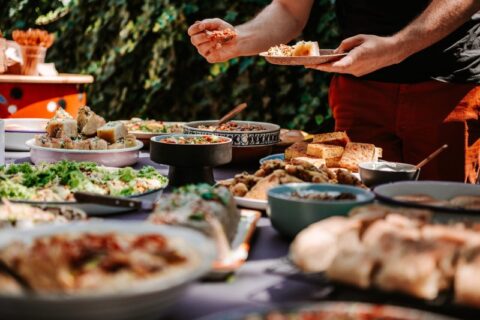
[39, 97]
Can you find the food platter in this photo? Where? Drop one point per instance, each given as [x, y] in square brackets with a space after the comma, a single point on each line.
[14, 215]
[110, 158]
[146, 134]
[146, 299]
[143, 184]
[442, 191]
[250, 190]
[97, 210]
[404, 245]
[326, 55]
[247, 146]
[329, 310]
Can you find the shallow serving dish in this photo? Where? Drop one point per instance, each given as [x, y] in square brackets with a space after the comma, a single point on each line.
[93, 209]
[146, 136]
[291, 215]
[328, 310]
[377, 173]
[110, 158]
[326, 55]
[19, 131]
[440, 190]
[148, 299]
[247, 145]
[190, 163]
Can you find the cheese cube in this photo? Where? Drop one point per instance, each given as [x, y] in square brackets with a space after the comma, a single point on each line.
[112, 131]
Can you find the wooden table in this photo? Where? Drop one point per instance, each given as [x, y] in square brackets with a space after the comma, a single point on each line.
[39, 97]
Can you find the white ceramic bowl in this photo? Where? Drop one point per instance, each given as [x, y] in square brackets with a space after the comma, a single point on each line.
[440, 190]
[110, 158]
[147, 299]
[19, 131]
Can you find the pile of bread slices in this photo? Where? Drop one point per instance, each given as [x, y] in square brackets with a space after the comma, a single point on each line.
[334, 150]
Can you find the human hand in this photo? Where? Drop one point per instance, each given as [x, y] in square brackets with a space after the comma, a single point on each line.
[212, 50]
[366, 54]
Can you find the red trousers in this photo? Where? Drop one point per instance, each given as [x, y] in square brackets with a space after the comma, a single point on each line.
[409, 121]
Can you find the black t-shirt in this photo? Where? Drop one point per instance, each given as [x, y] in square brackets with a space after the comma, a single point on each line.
[455, 58]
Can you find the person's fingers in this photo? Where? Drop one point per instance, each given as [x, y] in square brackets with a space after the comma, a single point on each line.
[204, 48]
[199, 38]
[350, 43]
[215, 56]
[195, 28]
[345, 62]
[207, 24]
[326, 67]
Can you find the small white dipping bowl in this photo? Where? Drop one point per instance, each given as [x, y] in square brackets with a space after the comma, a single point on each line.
[19, 131]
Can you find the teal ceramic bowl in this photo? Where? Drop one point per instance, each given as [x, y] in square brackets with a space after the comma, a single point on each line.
[291, 215]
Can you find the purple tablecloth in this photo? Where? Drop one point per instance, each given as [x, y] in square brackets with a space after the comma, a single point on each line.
[266, 279]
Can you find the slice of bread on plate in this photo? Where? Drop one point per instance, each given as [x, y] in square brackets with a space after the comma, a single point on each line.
[324, 151]
[298, 149]
[356, 153]
[339, 138]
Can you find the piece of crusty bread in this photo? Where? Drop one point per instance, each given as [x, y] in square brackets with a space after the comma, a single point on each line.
[306, 49]
[318, 163]
[356, 153]
[378, 154]
[339, 138]
[112, 131]
[298, 149]
[324, 151]
[62, 128]
[89, 122]
[333, 162]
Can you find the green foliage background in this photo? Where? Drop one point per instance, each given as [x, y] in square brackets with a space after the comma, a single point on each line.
[144, 64]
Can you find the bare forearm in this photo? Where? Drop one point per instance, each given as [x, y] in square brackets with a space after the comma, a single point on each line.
[277, 23]
[440, 19]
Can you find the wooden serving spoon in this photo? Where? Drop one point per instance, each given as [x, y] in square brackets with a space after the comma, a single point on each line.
[431, 156]
[232, 114]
